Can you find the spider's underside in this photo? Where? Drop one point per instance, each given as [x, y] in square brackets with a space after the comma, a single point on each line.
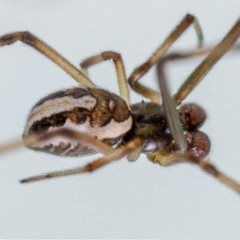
[86, 120]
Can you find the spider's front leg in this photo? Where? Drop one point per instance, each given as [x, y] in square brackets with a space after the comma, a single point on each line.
[191, 147]
[147, 92]
[204, 67]
[175, 158]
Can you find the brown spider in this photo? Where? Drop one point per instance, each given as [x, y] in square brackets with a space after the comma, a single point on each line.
[86, 120]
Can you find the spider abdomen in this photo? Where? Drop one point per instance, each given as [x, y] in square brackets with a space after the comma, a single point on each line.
[95, 112]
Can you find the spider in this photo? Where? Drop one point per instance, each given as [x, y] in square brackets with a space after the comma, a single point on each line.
[85, 120]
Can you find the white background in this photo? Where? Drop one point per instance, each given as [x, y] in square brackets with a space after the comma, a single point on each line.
[123, 200]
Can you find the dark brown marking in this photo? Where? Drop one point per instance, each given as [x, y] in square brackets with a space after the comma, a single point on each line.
[99, 116]
[78, 150]
[62, 150]
[73, 92]
[76, 115]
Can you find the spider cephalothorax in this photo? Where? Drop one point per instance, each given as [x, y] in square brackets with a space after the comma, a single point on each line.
[150, 123]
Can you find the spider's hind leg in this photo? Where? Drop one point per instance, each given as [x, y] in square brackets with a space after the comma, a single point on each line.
[82, 138]
[116, 154]
[49, 52]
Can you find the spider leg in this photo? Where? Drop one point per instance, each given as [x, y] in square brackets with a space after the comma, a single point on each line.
[168, 103]
[142, 69]
[29, 39]
[81, 137]
[197, 75]
[119, 66]
[114, 155]
[174, 158]
[170, 110]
